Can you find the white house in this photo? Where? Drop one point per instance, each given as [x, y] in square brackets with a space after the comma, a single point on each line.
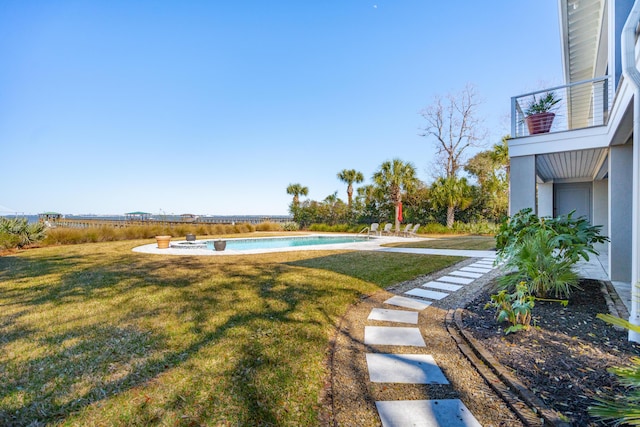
[589, 160]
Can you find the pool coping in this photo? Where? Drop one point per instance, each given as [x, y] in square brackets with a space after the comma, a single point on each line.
[375, 243]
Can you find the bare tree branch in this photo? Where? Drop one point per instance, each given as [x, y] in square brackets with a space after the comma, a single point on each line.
[453, 127]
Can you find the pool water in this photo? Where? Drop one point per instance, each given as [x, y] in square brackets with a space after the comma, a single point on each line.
[285, 242]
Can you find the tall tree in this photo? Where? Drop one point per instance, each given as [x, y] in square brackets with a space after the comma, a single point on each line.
[491, 169]
[452, 193]
[296, 190]
[453, 125]
[394, 177]
[349, 176]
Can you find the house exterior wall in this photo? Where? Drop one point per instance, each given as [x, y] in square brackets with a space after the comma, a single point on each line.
[601, 205]
[545, 199]
[522, 186]
[620, 211]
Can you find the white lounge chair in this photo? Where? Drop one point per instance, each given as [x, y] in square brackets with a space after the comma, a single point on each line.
[374, 229]
[406, 230]
[387, 228]
[414, 231]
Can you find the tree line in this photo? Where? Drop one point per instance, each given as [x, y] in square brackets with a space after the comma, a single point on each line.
[473, 190]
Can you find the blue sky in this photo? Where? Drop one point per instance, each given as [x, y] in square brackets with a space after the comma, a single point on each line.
[214, 107]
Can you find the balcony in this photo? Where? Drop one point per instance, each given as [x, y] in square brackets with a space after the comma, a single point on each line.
[581, 105]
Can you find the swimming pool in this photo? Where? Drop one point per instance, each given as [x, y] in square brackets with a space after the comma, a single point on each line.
[285, 242]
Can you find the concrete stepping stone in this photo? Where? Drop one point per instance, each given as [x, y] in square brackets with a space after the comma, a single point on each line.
[404, 368]
[406, 302]
[400, 316]
[390, 335]
[453, 279]
[475, 269]
[426, 413]
[424, 293]
[443, 286]
[478, 265]
[466, 274]
[487, 263]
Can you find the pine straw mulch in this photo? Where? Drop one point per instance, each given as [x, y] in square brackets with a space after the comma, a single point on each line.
[564, 358]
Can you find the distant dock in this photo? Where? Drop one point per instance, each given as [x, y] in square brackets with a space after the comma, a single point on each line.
[79, 222]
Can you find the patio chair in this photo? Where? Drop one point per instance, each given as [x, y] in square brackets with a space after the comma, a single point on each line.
[414, 231]
[374, 229]
[406, 230]
[387, 229]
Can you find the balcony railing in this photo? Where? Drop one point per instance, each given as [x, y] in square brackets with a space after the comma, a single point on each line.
[581, 105]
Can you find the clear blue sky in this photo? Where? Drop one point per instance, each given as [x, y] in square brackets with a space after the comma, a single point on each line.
[214, 107]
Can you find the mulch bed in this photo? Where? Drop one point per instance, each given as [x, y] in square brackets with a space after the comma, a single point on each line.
[564, 358]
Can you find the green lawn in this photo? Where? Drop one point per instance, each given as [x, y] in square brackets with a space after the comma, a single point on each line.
[95, 334]
[451, 242]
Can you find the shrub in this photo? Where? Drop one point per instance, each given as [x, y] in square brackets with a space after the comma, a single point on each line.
[626, 408]
[8, 241]
[268, 226]
[23, 233]
[290, 226]
[535, 263]
[514, 308]
[574, 238]
[542, 251]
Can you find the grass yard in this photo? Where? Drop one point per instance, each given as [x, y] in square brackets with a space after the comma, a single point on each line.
[450, 242]
[94, 334]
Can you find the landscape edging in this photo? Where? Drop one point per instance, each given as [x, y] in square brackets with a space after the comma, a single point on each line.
[532, 401]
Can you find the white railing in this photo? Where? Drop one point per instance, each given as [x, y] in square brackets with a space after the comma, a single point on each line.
[581, 104]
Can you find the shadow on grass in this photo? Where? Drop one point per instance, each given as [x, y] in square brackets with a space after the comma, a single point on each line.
[105, 343]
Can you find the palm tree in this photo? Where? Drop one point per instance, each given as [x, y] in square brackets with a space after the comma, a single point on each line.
[396, 176]
[349, 176]
[451, 193]
[296, 190]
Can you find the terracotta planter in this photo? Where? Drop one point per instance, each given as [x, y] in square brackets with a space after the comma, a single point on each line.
[220, 245]
[163, 242]
[539, 122]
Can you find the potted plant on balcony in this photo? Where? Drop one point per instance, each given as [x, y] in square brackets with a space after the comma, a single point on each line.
[539, 115]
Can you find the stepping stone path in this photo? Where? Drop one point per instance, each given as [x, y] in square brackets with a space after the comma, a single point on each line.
[417, 368]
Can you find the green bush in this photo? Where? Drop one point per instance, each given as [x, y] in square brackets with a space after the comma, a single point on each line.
[534, 262]
[337, 228]
[623, 409]
[290, 226]
[542, 251]
[514, 308]
[574, 238]
[20, 233]
[8, 241]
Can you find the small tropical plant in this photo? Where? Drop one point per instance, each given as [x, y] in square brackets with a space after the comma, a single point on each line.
[514, 308]
[17, 232]
[543, 104]
[623, 409]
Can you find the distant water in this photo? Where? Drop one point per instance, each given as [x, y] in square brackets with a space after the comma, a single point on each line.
[203, 218]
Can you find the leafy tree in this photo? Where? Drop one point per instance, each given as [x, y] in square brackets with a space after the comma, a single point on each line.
[349, 176]
[491, 169]
[453, 125]
[296, 190]
[393, 178]
[452, 193]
